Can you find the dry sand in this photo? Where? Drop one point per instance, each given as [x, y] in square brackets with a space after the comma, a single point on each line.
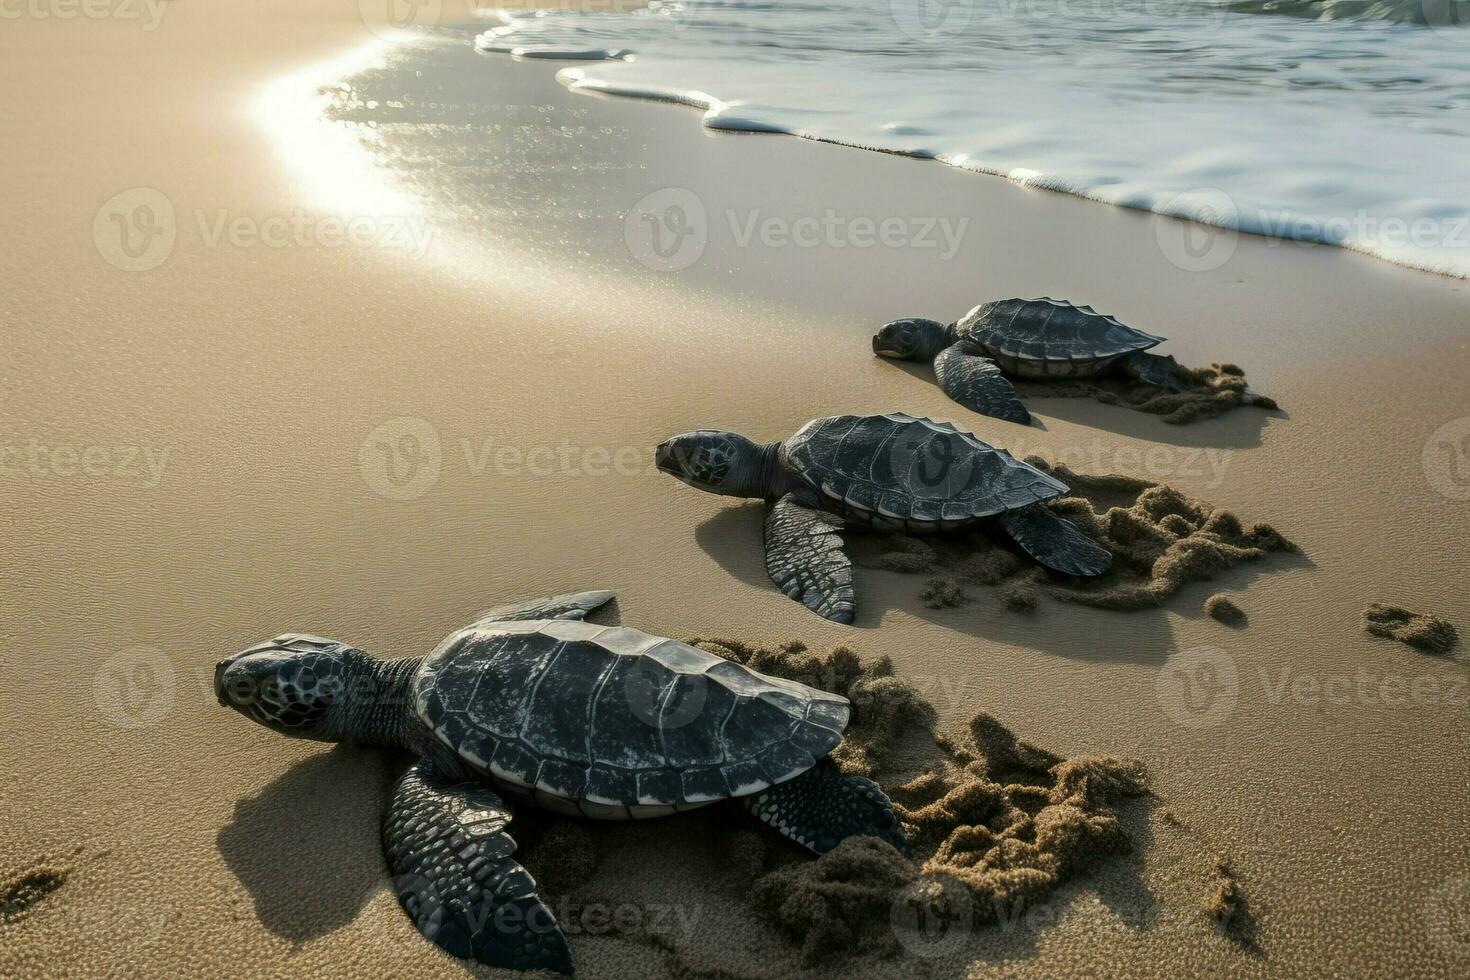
[222, 476]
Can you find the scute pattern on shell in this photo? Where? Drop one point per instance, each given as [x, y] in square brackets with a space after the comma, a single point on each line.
[619, 719]
[1051, 330]
[897, 468]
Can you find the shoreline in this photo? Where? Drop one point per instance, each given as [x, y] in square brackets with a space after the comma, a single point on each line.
[272, 376]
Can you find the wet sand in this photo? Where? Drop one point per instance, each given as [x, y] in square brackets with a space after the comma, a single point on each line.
[213, 451]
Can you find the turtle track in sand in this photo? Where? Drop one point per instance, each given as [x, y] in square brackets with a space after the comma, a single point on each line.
[1212, 391]
[989, 817]
[1161, 540]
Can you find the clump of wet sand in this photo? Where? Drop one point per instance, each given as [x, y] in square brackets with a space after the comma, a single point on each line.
[1211, 391]
[1160, 539]
[941, 593]
[1222, 608]
[1225, 902]
[993, 822]
[1419, 630]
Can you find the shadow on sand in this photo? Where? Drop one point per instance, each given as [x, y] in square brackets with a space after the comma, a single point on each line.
[298, 846]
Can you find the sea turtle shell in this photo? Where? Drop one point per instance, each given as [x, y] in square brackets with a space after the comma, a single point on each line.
[1047, 338]
[610, 722]
[896, 471]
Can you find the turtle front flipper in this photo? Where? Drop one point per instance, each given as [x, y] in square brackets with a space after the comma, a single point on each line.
[573, 605]
[1154, 369]
[977, 383]
[1054, 541]
[455, 874]
[822, 807]
[804, 557]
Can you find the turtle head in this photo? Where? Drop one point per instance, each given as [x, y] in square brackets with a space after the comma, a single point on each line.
[717, 462]
[300, 686]
[911, 339]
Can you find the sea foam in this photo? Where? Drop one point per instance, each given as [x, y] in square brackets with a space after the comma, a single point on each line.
[1352, 129]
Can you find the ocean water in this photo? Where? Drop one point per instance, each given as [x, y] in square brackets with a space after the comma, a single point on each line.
[1345, 122]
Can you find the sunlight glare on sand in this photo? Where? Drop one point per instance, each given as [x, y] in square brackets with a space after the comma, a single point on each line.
[330, 158]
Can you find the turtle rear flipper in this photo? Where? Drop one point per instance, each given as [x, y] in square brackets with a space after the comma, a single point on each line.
[804, 557]
[1153, 369]
[455, 874]
[977, 383]
[822, 807]
[1055, 542]
[573, 605]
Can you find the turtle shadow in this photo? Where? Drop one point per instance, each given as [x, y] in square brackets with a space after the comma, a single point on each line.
[1238, 429]
[735, 538]
[306, 846]
[1241, 428]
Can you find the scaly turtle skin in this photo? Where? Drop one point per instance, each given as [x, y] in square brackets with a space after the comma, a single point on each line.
[890, 472]
[534, 706]
[1043, 339]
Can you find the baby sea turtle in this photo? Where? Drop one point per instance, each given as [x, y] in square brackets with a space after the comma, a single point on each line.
[890, 472]
[532, 706]
[1038, 339]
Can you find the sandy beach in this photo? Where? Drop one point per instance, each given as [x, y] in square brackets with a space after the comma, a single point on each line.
[256, 422]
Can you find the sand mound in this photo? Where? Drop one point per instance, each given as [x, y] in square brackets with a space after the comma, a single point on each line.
[1226, 905]
[1161, 540]
[995, 824]
[1220, 606]
[1419, 630]
[1212, 391]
